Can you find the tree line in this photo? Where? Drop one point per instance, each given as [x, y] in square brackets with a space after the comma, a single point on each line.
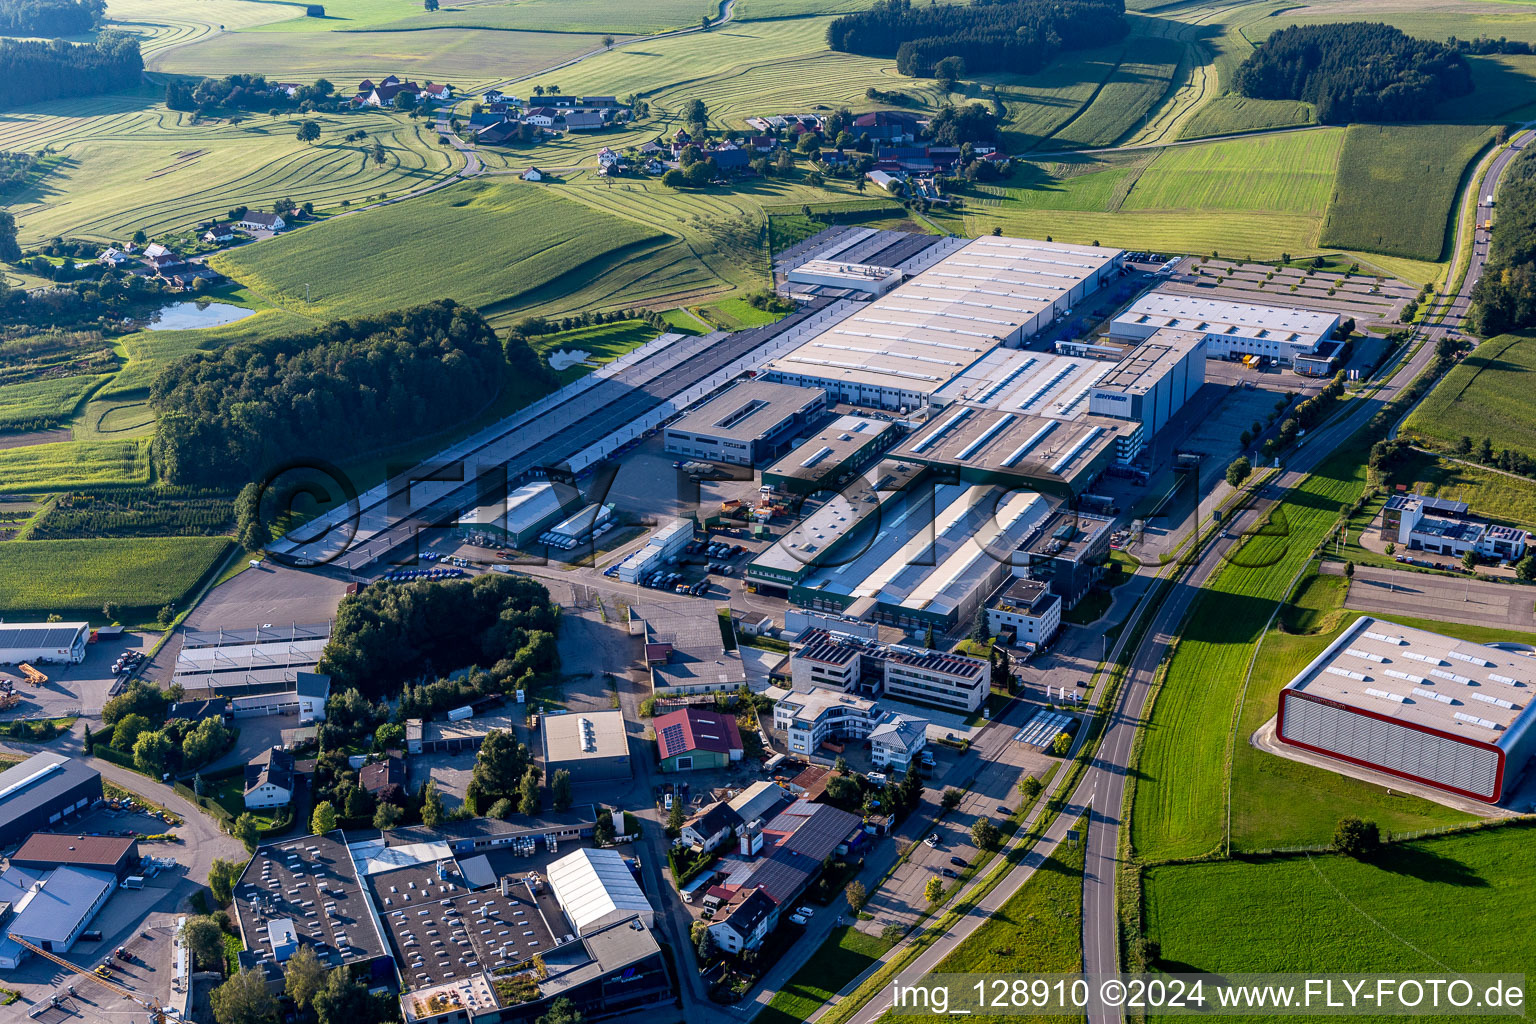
[50, 18]
[1355, 71]
[1021, 36]
[1504, 298]
[16, 170]
[345, 388]
[388, 633]
[249, 92]
[32, 70]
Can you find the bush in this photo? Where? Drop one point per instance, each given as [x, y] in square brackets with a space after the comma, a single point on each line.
[1356, 838]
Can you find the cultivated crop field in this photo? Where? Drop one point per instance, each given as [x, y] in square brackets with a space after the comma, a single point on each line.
[1396, 186]
[74, 578]
[70, 465]
[161, 26]
[1452, 903]
[482, 243]
[463, 57]
[1257, 197]
[46, 402]
[562, 16]
[129, 167]
[1487, 394]
[1290, 173]
[1133, 88]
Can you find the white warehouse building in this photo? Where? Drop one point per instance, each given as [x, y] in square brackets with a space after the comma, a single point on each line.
[1231, 329]
[1445, 713]
[43, 641]
[908, 343]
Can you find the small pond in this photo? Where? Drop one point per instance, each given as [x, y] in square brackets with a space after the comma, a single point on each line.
[181, 316]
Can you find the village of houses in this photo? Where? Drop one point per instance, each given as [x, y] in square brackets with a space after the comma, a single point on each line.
[885, 147]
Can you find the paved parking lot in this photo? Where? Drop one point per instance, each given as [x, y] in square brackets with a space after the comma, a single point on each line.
[74, 689]
[1477, 602]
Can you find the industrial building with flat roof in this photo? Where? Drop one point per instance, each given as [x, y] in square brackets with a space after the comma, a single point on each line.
[49, 907]
[1024, 612]
[305, 890]
[43, 641]
[1067, 553]
[858, 665]
[1446, 713]
[684, 650]
[746, 424]
[910, 342]
[833, 278]
[1057, 421]
[451, 736]
[830, 458]
[524, 513]
[591, 745]
[42, 791]
[1229, 328]
[929, 555]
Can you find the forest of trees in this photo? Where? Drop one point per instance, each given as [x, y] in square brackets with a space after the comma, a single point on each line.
[348, 387]
[1504, 298]
[1355, 71]
[388, 634]
[16, 170]
[32, 70]
[249, 92]
[50, 18]
[1021, 36]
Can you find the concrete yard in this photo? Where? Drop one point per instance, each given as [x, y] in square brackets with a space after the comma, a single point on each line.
[1444, 598]
[74, 689]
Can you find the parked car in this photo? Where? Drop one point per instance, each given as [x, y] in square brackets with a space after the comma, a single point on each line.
[958, 862]
[949, 873]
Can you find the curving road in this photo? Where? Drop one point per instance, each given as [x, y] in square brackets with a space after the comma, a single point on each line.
[1100, 919]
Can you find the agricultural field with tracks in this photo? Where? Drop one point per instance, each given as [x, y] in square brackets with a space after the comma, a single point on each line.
[128, 166]
[463, 246]
[1487, 394]
[1396, 186]
[76, 577]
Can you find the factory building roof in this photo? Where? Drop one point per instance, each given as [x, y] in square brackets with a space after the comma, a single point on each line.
[1016, 443]
[312, 882]
[39, 780]
[854, 273]
[830, 448]
[49, 904]
[928, 330]
[584, 736]
[1418, 678]
[27, 635]
[48, 848]
[596, 888]
[1146, 364]
[748, 411]
[807, 543]
[931, 547]
[523, 508]
[1157, 310]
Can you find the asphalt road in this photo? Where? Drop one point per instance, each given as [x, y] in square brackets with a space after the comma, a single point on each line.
[1106, 778]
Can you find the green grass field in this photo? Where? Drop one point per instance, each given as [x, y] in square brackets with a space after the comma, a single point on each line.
[1232, 113]
[294, 51]
[1181, 796]
[46, 402]
[148, 352]
[562, 16]
[456, 243]
[1131, 90]
[735, 315]
[67, 465]
[126, 166]
[1396, 186]
[1445, 904]
[845, 954]
[1255, 197]
[602, 344]
[161, 27]
[1484, 396]
[1285, 173]
[76, 577]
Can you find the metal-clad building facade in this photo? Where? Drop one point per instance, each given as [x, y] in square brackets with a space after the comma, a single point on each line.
[41, 792]
[1419, 706]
